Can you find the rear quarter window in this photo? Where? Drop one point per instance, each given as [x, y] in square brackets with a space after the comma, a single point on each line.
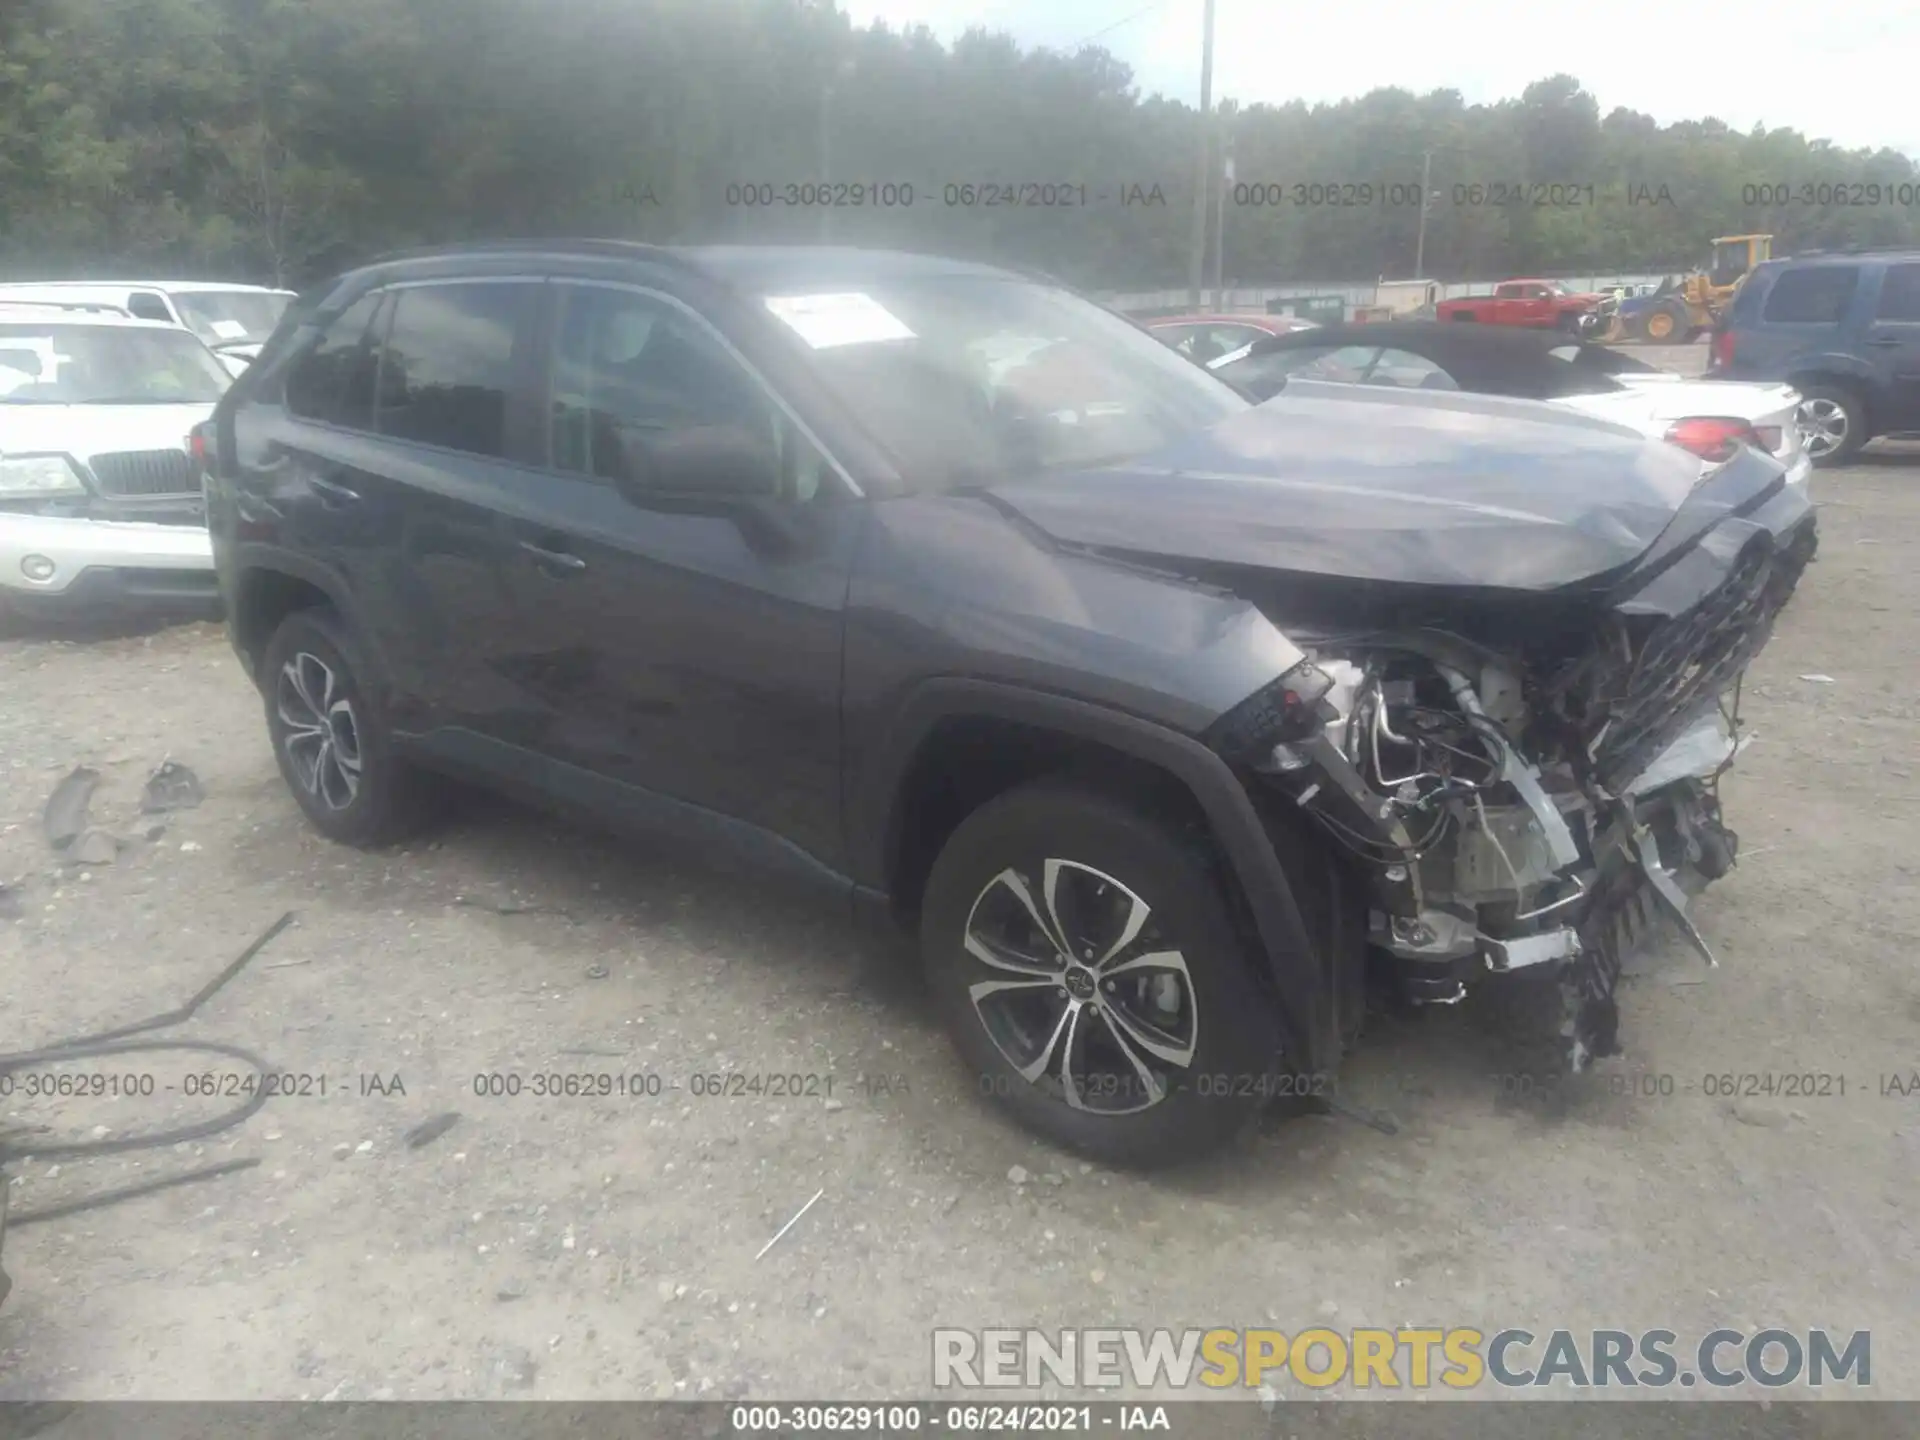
[1817, 295]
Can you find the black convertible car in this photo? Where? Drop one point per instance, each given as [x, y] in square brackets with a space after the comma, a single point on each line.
[1711, 418]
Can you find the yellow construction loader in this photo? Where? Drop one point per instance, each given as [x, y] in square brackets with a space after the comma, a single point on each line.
[1684, 307]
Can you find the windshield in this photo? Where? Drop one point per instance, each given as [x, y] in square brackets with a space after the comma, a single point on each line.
[967, 379]
[103, 365]
[219, 316]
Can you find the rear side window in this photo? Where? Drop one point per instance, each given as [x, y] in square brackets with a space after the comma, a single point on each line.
[1899, 293]
[145, 305]
[449, 364]
[1409, 371]
[1817, 295]
[333, 382]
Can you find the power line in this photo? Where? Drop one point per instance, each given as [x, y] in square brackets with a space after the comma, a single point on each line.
[1124, 20]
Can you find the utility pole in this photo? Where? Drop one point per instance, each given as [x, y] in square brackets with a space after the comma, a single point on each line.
[1220, 222]
[1197, 267]
[826, 157]
[828, 95]
[1426, 193]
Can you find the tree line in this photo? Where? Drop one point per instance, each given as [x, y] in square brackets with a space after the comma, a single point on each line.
[280, 140]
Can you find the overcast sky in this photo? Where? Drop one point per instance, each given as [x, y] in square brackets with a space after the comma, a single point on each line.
[1846, 70]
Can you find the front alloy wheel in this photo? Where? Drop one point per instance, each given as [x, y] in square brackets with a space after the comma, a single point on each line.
[321, 737]
[1092, 970]
[1079, 989]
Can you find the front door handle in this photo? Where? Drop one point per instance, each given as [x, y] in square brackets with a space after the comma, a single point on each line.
[333, 490]
[1886, 341]
[558, 560]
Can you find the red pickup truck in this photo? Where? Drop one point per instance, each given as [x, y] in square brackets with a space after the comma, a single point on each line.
[1537, 304]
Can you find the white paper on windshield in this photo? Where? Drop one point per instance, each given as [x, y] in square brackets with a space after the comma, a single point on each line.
[824, 321]
[228, 329]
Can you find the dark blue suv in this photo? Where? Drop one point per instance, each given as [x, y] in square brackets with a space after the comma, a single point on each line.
[1844, 329]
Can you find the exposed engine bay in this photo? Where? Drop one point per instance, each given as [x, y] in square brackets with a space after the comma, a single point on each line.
[1525, 801]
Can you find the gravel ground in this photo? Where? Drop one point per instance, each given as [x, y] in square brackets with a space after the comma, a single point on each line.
[605, 1248]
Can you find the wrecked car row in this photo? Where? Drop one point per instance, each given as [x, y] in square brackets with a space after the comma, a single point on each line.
[1159, 716]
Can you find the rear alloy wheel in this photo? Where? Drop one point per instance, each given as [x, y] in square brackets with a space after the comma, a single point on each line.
[1090, 970]
[330, 739]
[1832, 424]
[321, 737]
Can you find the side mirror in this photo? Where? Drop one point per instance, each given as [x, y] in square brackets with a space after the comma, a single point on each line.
[236, 365]
[699, 468]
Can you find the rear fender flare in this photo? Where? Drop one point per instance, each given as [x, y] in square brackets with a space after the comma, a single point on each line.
[250, 560]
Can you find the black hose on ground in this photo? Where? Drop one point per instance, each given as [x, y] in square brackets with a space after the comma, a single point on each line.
[115, 1042]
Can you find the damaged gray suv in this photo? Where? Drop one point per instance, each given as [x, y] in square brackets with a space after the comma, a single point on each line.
[1163, 718]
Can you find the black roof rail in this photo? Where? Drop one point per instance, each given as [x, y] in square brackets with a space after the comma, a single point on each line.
[591, 245]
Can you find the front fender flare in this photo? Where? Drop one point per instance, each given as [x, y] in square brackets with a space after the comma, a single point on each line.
[1291, 962]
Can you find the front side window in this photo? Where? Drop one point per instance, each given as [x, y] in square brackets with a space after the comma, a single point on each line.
[1815, 295]
[630, 370]
[449, 362]
[106, 365]
[967, 379]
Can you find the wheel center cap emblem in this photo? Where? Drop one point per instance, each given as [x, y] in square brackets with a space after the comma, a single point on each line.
[1079, 982]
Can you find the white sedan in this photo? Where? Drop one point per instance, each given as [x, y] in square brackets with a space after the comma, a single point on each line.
[1708, 417]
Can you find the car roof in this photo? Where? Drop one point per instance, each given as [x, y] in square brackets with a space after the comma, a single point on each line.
[183, 287]
[1257, 321]
[52, 315]
[749, 267]
[1838, 257]
[1424, 335]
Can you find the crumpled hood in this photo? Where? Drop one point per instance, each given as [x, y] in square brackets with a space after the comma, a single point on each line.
[1374, 483]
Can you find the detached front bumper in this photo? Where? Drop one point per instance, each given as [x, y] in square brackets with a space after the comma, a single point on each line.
[66, 564]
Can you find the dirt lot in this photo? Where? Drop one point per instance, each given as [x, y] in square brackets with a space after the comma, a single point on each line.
[605, 1248]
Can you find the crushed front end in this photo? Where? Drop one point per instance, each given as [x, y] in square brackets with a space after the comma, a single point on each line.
[1520, 785]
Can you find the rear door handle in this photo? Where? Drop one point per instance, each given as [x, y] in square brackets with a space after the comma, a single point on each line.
[561, 560]
[1887, 341]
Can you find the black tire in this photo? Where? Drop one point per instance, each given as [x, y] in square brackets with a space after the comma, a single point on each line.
[1673, 316]
[386, 799]
[1848, 412]
[1225, 1026]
